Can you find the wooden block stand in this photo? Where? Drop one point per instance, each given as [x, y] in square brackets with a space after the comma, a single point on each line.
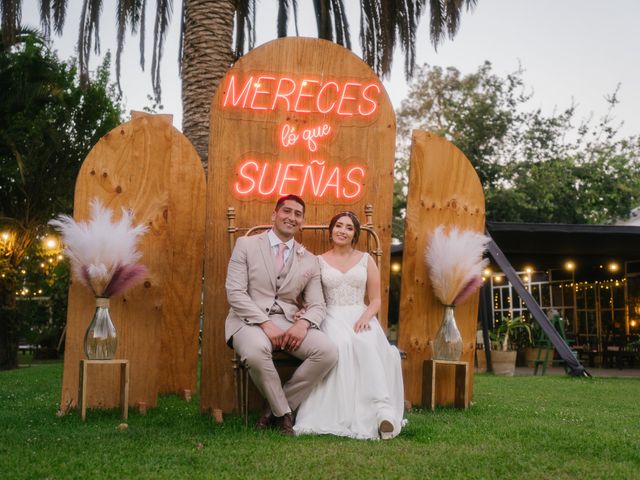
[461, 394]
[124, 385]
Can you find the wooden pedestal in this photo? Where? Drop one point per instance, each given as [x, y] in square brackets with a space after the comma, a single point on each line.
[124, 385]
[461, 394]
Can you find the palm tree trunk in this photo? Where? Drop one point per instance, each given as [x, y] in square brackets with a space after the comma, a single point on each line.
[206, 57]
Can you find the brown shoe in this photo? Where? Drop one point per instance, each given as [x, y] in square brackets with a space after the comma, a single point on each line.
[265, 421]
[286, 427]
[385, 429]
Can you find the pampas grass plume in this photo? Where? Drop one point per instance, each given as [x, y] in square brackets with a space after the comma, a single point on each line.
[99, 248]
[455, 263]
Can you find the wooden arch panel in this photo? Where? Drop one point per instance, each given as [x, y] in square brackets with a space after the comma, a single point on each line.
[443, 189]
[251, 123]
[147, 166]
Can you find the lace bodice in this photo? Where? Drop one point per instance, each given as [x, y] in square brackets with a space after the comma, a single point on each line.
[344, 288]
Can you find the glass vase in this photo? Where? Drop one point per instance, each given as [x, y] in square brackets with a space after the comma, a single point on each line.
[100, 340]
[448, 342]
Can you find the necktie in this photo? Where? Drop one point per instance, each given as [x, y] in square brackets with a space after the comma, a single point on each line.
[280, 257]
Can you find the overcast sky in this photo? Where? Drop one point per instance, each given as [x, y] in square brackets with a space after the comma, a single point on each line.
[570, 49]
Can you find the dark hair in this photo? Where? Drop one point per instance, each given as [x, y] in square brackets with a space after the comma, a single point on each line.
[293, 197]
[354, 219]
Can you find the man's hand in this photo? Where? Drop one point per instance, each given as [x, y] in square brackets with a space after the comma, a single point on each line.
[274, 333]
[293, 337]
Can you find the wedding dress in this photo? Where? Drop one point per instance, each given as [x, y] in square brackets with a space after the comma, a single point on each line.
[365, 387]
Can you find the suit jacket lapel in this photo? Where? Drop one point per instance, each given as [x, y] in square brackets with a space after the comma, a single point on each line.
[267, 256]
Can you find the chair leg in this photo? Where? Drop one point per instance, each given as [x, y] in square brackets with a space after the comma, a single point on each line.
[241, 380]
[546, 361]
[245, 397]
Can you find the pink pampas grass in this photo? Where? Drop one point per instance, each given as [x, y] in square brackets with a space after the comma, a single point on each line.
[455, 263]
[103, 254]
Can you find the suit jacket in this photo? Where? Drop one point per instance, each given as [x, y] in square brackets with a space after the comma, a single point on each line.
[251, 285]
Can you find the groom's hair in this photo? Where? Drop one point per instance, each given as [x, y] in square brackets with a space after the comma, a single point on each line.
[293, 197]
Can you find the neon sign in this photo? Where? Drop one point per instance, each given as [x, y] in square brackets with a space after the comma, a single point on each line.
[271, 93]
[274, 179]
[289, 137]
[313, 106]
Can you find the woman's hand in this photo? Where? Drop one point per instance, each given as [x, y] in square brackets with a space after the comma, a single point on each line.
[298, 315]
[361, 325]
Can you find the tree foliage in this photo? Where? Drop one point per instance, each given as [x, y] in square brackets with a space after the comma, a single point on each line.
[384, 25]
[48, 124]
[207, 43]
[534, 167]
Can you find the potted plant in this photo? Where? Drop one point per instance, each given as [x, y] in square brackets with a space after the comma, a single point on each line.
[505, 340]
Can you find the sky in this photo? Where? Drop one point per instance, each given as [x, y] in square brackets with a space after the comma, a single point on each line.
[571, 51]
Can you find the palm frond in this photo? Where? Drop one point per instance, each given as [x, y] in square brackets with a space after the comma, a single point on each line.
[341, 24]
[59, 14]
[88, 35]
[294, 4]
[45, 17]
[445, 18]
[142, 21]
[245, 25]
[283, 17]
[323, 19]
[122, 18]
[163, 18]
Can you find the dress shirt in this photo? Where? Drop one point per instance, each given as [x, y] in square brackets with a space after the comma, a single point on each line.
[274, 241]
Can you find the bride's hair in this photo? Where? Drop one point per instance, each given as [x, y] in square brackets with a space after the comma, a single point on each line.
[354, 219]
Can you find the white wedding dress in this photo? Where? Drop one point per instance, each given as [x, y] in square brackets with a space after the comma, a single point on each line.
[365, 387]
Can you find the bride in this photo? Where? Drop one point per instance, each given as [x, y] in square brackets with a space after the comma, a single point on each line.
[362, 397]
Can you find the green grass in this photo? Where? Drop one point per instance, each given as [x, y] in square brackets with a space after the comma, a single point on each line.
[524, 427]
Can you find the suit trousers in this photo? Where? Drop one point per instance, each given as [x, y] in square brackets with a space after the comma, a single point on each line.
[317, 351]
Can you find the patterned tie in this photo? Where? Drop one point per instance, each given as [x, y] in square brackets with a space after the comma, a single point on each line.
[280, 257]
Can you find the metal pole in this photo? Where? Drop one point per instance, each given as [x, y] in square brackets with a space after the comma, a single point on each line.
[485, 306]
[573, 364]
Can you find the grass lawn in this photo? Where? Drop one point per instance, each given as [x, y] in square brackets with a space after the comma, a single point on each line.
[523, 427]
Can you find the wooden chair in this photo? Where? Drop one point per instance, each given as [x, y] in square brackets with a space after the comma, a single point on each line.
[282, 359]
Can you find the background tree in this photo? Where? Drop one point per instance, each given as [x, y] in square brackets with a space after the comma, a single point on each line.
[206, 37]
[533, 167]
[48, 124]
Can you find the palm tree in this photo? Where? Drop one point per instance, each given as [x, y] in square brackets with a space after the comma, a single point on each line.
[206, 37]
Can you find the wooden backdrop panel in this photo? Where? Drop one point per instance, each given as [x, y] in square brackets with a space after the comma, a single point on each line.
[147, 166]
[236, 135]
[443, 189]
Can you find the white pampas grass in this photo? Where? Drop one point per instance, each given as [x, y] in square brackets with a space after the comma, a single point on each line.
[103, 254]
[455, 263]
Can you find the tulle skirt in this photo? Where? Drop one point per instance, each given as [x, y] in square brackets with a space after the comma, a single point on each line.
[364, 388]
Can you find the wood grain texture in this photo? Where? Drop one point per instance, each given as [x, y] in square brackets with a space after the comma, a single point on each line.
[236, 134]
[443, 189]
[147, 166]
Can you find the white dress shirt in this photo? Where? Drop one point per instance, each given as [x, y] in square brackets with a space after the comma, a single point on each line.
[274, 241]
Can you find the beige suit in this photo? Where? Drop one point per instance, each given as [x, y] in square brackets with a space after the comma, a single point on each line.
[252, 289]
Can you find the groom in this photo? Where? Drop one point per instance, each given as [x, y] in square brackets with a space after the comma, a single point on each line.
[266, 276]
